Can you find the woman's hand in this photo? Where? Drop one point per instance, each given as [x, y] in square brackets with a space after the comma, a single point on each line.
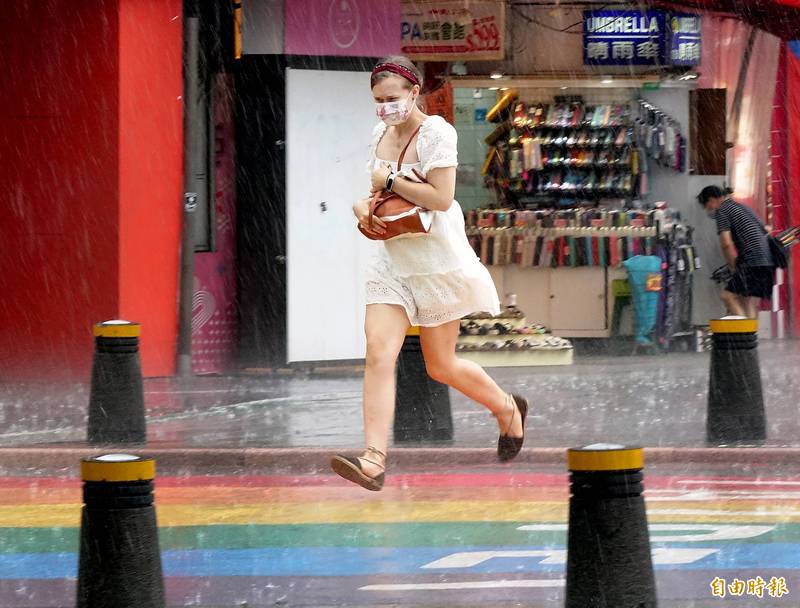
[361, 211]
[379, 176]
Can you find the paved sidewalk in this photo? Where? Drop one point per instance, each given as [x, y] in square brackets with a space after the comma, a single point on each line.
[647, 400]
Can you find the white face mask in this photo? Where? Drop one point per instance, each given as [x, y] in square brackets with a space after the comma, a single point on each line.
[394, 112]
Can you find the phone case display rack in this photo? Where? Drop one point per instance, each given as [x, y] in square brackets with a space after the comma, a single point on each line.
[560, 239]
[509, 340]
[564, 154]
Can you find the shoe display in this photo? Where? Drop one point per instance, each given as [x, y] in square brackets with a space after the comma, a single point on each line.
[577, 115]
[520, 115]
[585, 152]
[572, 139]
[555, 181]
[552, 114]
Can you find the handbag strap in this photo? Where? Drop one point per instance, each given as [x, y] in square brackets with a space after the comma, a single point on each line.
[403, 153]
[378, 199]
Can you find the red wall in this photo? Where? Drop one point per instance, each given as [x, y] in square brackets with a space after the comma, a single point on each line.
[793, 144]
[151, 174]
[78, 177]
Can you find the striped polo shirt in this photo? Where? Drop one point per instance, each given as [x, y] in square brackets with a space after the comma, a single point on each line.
[749, 234]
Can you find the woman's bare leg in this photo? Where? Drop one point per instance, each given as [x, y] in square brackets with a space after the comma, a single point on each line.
[439, 350]
[385, 326]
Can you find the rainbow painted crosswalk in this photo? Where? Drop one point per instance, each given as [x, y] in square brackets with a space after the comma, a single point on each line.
[429, 538]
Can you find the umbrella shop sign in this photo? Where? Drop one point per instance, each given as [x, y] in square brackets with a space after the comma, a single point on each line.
[641, 38]
[457, 30]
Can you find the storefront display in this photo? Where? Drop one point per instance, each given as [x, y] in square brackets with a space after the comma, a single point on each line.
[572, 154]
[510, 340]
[602, 243]
[660, 138]
[556, 239]
[564, 153]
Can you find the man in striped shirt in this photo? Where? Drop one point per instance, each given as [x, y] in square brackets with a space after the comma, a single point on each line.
[743, 239]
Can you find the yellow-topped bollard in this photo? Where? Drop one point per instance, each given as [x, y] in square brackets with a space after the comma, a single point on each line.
[116, 401]
[422, 411]
[120, 560]
[735, 397]
[609, 564]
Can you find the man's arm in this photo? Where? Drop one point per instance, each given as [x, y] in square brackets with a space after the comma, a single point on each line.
[728, 248]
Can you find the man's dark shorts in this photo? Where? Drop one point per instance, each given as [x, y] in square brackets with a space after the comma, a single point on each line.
[753, 282]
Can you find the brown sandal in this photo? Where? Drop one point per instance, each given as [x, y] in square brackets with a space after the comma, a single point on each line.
[509, 447]
[350, 469]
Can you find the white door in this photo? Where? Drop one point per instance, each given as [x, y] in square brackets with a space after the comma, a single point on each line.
[329, 121]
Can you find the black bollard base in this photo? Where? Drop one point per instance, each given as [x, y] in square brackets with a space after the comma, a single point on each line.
[120, 560]
[735, 397]
[116, 401]
[422, 411]
[609, 563]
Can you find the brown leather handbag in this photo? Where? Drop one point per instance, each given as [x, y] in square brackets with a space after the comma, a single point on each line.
[399, 215]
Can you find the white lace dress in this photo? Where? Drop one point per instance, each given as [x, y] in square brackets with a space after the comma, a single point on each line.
[436, 277]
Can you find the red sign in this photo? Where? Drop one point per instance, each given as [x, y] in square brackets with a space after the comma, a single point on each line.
[440, 102]
[453, 30]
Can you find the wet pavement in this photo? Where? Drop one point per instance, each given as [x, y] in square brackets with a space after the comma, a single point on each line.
[445, 531]
[483, 536]
[644, 400]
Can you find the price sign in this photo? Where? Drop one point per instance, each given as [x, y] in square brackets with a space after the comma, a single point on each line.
[453, 30]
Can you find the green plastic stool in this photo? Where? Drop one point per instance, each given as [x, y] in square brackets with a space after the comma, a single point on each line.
[621, 290]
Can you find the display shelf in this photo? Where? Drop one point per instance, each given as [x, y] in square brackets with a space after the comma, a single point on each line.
[481, 339]
[580, 127]
[540, 349]
[519, 358]
[564, 150]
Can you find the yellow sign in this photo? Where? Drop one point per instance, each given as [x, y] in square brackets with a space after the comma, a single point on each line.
[754, 587]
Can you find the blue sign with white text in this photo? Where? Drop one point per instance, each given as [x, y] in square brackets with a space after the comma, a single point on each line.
[685, 35]
[647, 38]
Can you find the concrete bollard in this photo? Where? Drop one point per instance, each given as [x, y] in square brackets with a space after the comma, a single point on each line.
[120, 561]
[609, 564]
[116, 402]
[735, 398]
[422, 411]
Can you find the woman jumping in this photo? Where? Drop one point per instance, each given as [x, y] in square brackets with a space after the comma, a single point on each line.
[430, 281]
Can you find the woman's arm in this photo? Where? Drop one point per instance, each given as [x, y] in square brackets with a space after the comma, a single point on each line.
[436, 195]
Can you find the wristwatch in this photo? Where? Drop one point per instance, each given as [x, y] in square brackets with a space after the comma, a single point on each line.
[390, 181]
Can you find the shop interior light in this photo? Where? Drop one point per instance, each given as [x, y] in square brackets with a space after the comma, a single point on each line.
[494, 88]
[496, 75]
[459, 68]
[504, 88]
[607, 80]
[563, 88]
[689, 76]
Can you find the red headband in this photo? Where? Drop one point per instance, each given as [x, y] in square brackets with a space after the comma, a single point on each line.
[396, 69]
